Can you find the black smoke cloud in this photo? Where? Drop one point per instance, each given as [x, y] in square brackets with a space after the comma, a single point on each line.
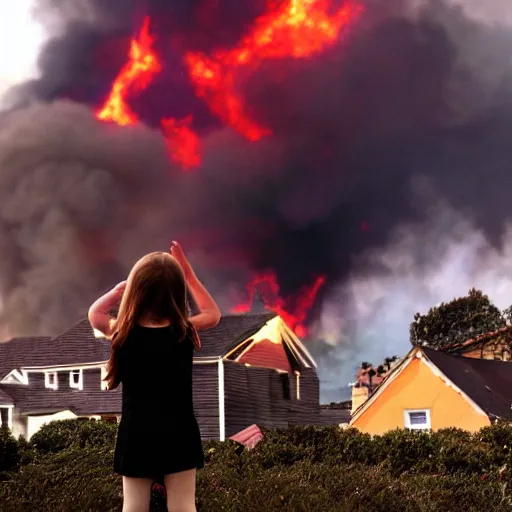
[407, 97]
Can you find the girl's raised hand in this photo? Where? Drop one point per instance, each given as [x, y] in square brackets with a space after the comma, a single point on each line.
[177, 253]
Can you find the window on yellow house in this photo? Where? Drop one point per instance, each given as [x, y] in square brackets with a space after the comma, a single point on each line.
[418, 419]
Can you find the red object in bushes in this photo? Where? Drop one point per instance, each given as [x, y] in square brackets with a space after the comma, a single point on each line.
[249, 437]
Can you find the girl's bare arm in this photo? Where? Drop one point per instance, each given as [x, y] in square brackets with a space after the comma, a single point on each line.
[209, 313]
[100, 311]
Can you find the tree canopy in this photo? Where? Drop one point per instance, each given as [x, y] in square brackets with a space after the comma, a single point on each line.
[457, 321]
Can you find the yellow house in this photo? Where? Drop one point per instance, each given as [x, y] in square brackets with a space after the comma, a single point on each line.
[433, 390]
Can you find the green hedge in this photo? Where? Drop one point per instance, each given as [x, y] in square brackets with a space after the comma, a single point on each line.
[293, 470]
[9, 451]
[56, 436]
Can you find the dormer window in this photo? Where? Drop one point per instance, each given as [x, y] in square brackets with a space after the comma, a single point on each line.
[76, 379]
[50, 380]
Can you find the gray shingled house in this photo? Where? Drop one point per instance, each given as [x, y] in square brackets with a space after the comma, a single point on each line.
[252, 369]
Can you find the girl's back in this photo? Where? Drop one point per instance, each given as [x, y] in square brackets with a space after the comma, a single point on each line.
[156, 373]
[158, 433]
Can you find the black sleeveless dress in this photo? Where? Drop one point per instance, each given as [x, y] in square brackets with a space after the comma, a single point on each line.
[158, 433]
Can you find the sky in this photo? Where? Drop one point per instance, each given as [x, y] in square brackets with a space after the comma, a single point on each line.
[20, 39]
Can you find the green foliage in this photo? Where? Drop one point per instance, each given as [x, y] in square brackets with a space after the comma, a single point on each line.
[456, 321]
[9, 451]
[73, 479]
[59, 435]
[297, 469]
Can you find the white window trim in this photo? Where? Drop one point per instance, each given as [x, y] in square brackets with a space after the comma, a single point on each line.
[48, 384]
[297, 384]
[407, 419]
[76, 385]
[9, 416]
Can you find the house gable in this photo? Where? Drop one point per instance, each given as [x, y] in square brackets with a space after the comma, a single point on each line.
[417, 384]
[274, 346]
[15, 377]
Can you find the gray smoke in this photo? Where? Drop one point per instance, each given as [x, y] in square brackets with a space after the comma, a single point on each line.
[74, 197]
[389, 161]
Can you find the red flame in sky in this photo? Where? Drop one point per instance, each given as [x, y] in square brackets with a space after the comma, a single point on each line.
[182, 141]
[298, 29]
[293, 310]
[134, 77]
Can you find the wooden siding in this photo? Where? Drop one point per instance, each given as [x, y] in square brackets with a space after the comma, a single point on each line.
[306, 410]
[206, 399]
[256, 396]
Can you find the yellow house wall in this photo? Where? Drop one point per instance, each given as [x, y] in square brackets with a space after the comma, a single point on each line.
[418, 387]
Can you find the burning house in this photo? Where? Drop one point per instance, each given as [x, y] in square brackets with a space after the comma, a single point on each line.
[252, 369]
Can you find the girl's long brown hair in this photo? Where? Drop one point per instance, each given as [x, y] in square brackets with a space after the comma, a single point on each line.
[155, 290]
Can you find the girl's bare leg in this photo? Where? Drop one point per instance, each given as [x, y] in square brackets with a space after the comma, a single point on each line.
[181, 491]
[136, 494]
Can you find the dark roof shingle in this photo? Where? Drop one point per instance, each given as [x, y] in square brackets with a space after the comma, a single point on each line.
[487, 383]
[77, 345]
[20, 352]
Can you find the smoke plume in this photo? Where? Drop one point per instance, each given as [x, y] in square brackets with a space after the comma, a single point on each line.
[387, 171]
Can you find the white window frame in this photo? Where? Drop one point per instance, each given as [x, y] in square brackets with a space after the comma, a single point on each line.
[47, 383]
[407, 419]
[297, 384]
[76, 385]
[103, 384]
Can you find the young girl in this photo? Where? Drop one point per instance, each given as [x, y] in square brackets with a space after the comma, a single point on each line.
[153, 341]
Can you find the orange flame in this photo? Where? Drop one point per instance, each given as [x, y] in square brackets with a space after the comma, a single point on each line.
[183, 143]
[293, 310]
[135, 76]
[299, 29]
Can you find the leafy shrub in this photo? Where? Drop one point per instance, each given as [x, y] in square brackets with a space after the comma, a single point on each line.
[9, 451]
[56, 436]
[73, 479]
[292, 470]
[403, 450]
[457, 451]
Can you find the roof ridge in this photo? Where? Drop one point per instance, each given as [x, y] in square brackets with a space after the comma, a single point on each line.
[477, 338]
[76, 324]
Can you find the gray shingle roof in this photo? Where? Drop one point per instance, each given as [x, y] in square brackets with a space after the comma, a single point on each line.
[487, 383]
[20, 352]
[77, 345]
[232, 330]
